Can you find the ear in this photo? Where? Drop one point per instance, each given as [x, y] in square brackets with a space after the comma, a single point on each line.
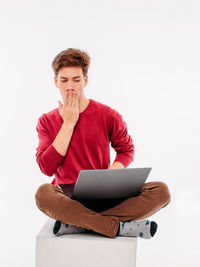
[56, 81]
[86, 80]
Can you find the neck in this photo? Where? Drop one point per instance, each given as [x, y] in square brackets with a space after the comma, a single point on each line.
[83, 103]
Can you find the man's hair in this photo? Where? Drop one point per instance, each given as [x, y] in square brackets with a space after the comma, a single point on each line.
[71, 57]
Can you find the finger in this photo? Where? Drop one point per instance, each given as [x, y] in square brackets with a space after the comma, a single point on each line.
[60, 103]
[75, 99]
[70, 98]
[76, 102]
[66, 96]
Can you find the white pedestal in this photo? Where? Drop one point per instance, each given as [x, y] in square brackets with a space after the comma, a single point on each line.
[83, 249]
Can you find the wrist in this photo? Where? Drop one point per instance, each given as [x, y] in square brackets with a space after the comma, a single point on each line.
[68, 125]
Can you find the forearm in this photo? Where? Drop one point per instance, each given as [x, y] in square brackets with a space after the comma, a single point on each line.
[63, 138]
[116, 165]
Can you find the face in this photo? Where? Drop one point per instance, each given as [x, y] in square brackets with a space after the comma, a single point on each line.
[71, 79]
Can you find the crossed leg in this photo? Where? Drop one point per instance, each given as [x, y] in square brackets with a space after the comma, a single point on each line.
[153, 196]
[54, 203]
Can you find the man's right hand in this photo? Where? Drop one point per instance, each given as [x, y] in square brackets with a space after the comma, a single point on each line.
[70, 110]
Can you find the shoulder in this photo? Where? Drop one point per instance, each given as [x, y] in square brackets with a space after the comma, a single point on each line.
[109, 115]
[104, 108]
[50, 116]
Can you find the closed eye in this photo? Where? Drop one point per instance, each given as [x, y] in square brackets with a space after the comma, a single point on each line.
[75, 81]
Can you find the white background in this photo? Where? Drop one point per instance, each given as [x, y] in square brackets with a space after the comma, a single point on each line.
[145, 63]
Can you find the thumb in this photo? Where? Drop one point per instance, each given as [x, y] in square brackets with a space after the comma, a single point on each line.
[60, 104]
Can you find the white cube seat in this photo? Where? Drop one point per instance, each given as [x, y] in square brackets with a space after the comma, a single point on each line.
[83, 249]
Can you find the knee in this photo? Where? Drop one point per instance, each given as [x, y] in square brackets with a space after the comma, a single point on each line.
[164, 193]
[42, 193]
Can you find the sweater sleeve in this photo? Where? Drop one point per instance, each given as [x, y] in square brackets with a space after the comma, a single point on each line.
[120, 140]
[47, 157]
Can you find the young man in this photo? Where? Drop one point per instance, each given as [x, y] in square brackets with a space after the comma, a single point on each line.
[76, 136]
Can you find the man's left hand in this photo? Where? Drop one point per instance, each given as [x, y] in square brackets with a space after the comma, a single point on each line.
[116, 165]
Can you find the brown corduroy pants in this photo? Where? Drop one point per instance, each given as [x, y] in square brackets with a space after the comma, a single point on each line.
[100, 216]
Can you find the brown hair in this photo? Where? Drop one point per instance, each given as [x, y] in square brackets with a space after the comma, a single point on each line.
[71, 57]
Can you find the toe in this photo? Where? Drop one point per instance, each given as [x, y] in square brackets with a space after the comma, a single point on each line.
[56, 227]
[153, 229]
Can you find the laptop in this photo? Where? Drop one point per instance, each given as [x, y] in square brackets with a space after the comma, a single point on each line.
[107, 183]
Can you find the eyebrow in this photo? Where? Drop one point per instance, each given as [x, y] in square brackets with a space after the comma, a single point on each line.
[67, 78]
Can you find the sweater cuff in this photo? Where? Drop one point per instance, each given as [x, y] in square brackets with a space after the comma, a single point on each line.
[50, 160]
[124, 158]
[53, 153]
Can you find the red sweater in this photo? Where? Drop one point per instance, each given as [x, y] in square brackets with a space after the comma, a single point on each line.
[97, 126]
